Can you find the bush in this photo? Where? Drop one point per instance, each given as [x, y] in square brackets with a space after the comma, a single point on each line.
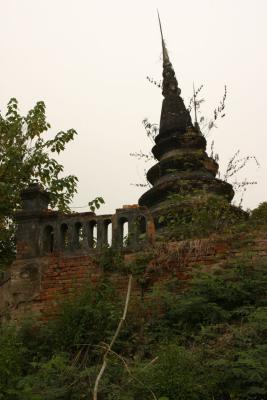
[258, 216]
[12, 364]
[205, 339]
[89, 318]
[110, 259]
[210, 298]
[199, 215]
[177, 375]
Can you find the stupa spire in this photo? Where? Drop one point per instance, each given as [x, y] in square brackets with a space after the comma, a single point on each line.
[169, 84]
[174, 115]
[183, 166]
[165, 53]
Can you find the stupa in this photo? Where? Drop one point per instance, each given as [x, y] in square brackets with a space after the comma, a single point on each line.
[183, 165]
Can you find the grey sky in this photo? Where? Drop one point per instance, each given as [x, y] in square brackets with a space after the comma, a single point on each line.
[88, 61]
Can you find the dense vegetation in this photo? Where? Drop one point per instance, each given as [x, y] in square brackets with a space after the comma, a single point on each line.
[199, 339]
[199, 214]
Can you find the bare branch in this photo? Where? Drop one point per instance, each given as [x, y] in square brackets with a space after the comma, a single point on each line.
[116, 334]
[154, 82]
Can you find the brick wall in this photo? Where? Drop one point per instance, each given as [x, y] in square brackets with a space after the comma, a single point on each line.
[37, 284]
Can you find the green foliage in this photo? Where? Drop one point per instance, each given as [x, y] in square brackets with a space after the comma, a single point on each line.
[137, 266]
[110, 259]
[25, 156]
[258, 216]
[178, 375]
[7, 244]
[53, 380]
[89, 318]
[55, 360]
[11, 362]
[199, 339]
[191, 216]
[96, 203]
[212, 298]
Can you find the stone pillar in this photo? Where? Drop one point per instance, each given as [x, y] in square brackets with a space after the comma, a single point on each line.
[34, 205]
[101, 233]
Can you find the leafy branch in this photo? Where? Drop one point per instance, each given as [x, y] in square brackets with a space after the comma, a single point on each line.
[96, 203]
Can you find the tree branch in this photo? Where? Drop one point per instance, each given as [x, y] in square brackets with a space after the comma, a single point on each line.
[116, 334]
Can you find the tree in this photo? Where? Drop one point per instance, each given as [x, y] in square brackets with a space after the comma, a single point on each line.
[25, 157]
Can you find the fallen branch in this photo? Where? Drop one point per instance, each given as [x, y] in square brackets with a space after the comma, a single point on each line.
[109, 347]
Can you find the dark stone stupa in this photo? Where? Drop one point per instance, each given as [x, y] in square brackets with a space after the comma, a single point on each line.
[183, 167]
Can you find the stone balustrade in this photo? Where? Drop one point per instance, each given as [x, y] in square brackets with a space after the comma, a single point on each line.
[42, 231]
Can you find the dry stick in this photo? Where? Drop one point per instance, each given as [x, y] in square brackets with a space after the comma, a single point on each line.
[99, 376]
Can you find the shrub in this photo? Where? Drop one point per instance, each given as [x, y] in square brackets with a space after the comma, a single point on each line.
[258, 216]
[178, 375]
[12, 364]
[199, 215]
[90, 317]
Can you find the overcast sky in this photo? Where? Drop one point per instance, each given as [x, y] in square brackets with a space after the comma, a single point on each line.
[88, 61]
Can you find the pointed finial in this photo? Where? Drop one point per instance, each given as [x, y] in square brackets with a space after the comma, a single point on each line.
[195, 103]
[166, 59]
[195, 108]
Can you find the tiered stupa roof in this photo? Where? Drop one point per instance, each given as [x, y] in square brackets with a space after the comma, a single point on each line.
[183, 165]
